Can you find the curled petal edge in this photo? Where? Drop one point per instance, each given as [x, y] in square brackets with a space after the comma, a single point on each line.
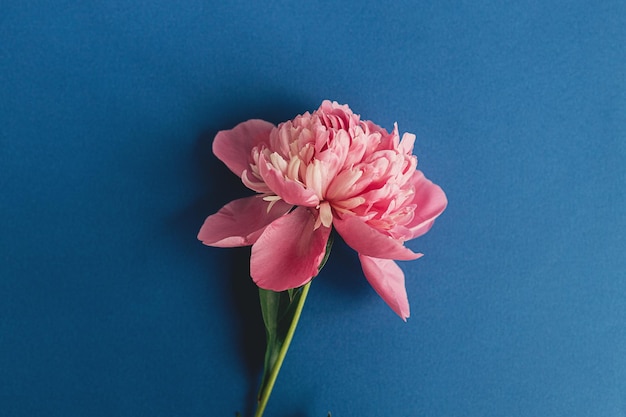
[387, 279]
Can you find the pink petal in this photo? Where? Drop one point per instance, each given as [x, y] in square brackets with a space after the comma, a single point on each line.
[289, 190]
[288, 253]
[430, 200]
[387, 279]
[240, 222]
[233, 146]
[370, 242]
[407, 143]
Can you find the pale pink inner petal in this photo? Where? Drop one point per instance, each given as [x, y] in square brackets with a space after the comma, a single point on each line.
[387, 279]
[370, 242]
[289, 251]
[325, 214]
[407, 142]
[240, 222]
[233, 146]
[289, 190]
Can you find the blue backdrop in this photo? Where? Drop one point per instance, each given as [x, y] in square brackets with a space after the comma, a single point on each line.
[109, 306]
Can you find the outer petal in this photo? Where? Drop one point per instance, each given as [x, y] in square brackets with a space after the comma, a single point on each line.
[370, 242]
[430, 200]
[387, 279]
[233, 146]
[240, 222]
[288, 253]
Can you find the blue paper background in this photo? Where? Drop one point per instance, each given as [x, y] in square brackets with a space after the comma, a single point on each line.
[110, 307]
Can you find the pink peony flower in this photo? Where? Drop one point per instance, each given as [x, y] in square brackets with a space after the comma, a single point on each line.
[320, 170]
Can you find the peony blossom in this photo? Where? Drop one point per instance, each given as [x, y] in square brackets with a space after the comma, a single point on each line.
[322, 170]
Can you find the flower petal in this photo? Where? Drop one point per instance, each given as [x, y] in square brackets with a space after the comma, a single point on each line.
[233, 146]
[289, 190]
[370, 242]
[288, 253]
[387, 279]
[407, 142]
[240, 222]
[430, 200]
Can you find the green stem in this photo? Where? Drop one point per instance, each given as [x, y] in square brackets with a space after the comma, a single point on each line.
[265, 395]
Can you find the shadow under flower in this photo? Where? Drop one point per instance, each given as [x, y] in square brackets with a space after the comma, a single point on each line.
[243, 295]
